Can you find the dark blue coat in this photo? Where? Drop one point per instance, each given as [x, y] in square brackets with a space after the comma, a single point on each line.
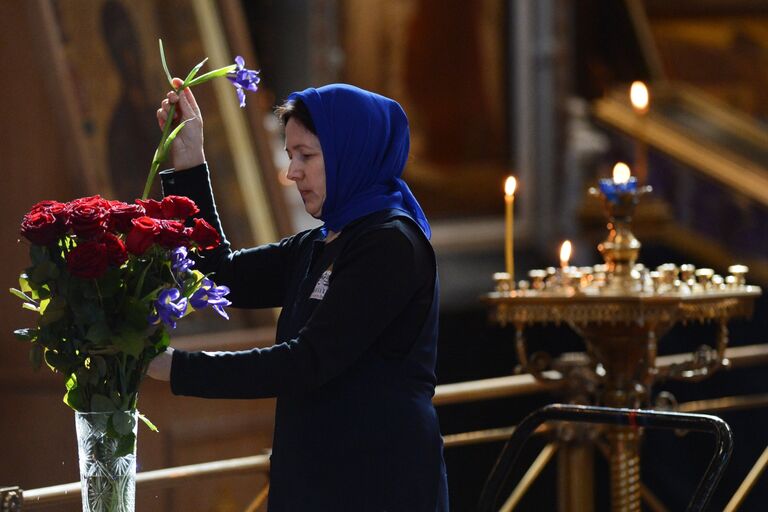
[353, 366]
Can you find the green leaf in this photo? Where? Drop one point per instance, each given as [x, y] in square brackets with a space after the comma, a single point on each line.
[100, 365]
[60, 362]
[212, 74]
[142, 276]
[36, 356]
[26, 334]
[48, 337]
[148, 423]
[86, 376]
[193, 72]
[90, 290]
[130, 342]
[164, 341]
[101, 403]
[24, 283]
[135, 313]
[53, 310]
[38, 254]
[30, 307]
[74, 396]
[115, 396]
[33, 290]
[125, 445]
[87, 312]
[123, 421]
[99, 332]
[23, 296]
[43, 272]
[165, 65]
[171, 136]
[43, 292]
[110, 283]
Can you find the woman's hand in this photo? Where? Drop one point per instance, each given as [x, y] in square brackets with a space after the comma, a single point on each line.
[160, 366]
[187, 148]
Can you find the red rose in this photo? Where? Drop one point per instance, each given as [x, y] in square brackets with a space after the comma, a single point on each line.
[55, 208]
[88, 260]
[204, 235]
[178, 207]
[40, 228]
[115, 249]
[172, 234]
[121, 215]
[43, 206]
[87, 220]
[92, 201]
[142, 235]
[151, 207]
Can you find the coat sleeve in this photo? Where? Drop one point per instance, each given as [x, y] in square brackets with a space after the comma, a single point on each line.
[374, 279]
[257, 276]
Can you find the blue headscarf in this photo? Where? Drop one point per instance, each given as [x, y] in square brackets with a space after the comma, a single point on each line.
[365, 141]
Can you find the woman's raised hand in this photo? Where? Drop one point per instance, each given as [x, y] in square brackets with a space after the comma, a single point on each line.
[187, 148]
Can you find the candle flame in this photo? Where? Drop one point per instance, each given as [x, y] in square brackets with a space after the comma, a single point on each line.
[621, 173]
[565, 252]
[510, 185]
[639, 96]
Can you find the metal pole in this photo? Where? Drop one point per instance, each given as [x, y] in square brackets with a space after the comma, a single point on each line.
[259, 500]
[151, 479]
[575, 476]
[530, 476]
[499, 387]
[748, 483]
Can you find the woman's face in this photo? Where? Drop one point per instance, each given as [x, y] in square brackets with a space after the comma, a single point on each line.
[307, 168]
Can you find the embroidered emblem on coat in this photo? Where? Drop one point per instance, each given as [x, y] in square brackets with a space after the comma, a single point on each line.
[322, 286]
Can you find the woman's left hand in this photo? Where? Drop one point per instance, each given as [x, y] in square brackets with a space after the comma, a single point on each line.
[187, 149]
[160, 367]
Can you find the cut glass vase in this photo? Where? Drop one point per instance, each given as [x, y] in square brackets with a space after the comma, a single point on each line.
[107, 478]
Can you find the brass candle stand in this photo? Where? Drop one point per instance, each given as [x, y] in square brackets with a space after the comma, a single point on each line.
[621, 310]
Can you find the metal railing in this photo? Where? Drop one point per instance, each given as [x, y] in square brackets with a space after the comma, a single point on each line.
[455, 393]
[612, 416]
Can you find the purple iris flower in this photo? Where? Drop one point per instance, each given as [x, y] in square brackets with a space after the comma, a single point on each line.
[179, 261]
[211, 295]
[168, 308]
[243, 79]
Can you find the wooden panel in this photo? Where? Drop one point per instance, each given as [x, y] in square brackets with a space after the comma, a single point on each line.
[39, 157]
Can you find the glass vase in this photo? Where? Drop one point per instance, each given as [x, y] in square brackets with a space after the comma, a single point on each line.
[107, 479]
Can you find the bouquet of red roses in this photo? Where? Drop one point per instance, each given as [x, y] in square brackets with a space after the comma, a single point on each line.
[108, 279]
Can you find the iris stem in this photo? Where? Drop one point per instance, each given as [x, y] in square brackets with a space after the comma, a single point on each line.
[159, 157]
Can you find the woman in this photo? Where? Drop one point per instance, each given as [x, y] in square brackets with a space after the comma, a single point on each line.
[353, 365]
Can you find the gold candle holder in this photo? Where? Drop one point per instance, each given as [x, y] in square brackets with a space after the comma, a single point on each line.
[620, 250]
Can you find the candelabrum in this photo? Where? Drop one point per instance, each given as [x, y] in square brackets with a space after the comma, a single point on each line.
[621, 248]
[621, 309]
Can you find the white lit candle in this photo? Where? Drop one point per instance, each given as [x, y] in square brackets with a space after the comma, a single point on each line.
[509, 200]
[565, 255]
[621, 173]
[640, 98]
